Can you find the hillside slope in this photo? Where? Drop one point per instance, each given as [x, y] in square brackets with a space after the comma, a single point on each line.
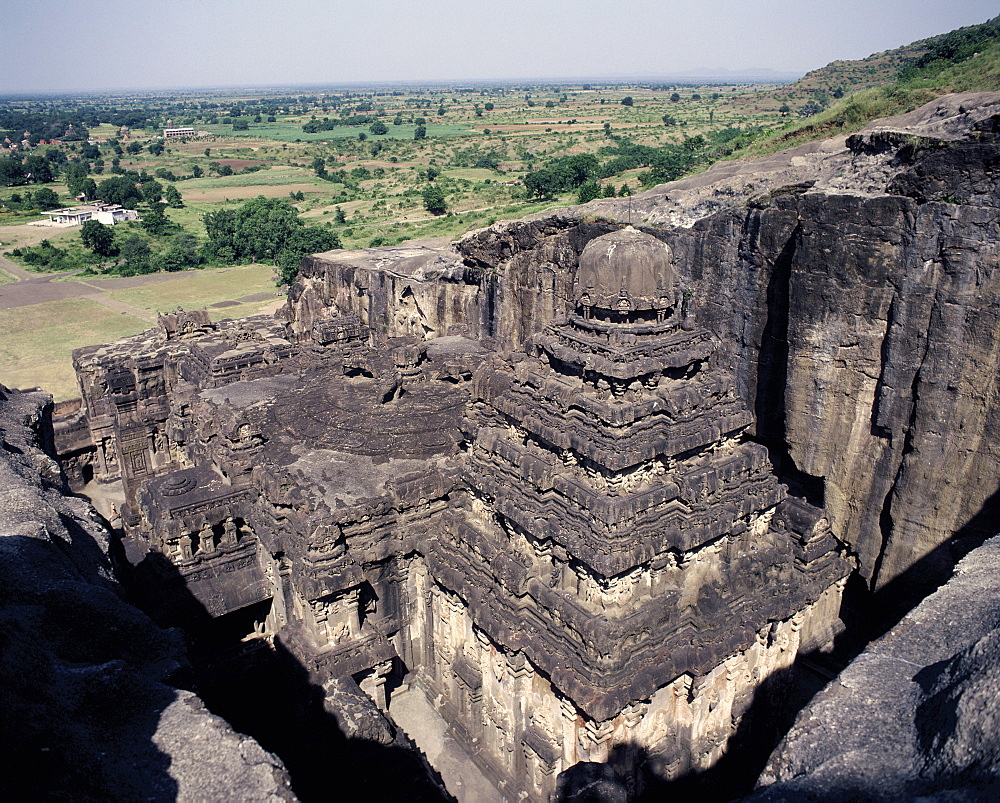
[844, 96]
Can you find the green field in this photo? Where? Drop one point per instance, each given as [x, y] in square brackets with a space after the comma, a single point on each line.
[292, 132]
[198, 289]
[478, 155]
[38, 341]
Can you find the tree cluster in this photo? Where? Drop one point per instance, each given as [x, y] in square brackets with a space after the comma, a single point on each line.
[562, 174]
[266, 230]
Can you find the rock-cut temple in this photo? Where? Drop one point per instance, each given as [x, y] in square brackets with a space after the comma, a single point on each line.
[572, 547]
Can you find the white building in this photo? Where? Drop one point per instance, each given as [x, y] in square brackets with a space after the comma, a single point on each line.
[108, 214]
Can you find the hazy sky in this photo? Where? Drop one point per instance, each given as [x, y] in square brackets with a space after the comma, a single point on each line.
[59, 45]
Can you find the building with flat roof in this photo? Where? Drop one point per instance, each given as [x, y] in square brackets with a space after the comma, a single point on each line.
[173, 133]
[108, 214]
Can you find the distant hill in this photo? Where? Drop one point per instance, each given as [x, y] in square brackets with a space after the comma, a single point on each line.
[839, 78]
[925, 58]
[844, 96]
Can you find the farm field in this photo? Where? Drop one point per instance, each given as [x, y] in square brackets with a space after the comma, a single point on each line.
[39, 339]
[358, 163]
[478, 144]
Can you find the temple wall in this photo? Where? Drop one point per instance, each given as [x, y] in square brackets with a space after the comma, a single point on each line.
[527, 731]
[393, 305]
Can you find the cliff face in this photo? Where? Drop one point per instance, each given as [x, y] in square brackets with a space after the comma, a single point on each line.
[88, 712]
[927, 688]
[866, 332]
[856, 282]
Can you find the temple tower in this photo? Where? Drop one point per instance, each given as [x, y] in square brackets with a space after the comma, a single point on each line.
[625, 568]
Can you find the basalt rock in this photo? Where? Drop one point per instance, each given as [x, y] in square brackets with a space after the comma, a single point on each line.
[89, 710]
[858, 293]
[915, 715]
[540, 470]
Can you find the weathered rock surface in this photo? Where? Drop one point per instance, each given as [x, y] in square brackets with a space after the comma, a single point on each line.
[857, 280]
[915, 714]
[87, 709]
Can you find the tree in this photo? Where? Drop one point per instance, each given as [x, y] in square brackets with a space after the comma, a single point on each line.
[74, 173]
[627, 101]
[785, 109]
[304, 240]
[589, 190]
[152, 191]
[441, 110]
[696, 96]
[378, 127]
[39, 169]
[197, 172]
[135, 252]
[265, 230]
[134, 147]
[181, 255]
[339, 216]
[98, 238]
[173, 197]
[12, 172]
[488, 106]
[88, 189]
[46, 199]
[241, 124]
[156, 148]
[362, 136]
[669, 120]
[119, 190]
[434, 200]
[155, 221]
[319, 166]
[675, 97]
[420, 132]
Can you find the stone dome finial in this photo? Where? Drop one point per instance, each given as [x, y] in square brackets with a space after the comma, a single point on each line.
[625, 264]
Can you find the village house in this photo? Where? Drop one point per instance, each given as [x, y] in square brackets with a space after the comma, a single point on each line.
[108, 214]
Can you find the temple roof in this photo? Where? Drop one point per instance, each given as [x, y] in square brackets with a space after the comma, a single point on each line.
[625, 261]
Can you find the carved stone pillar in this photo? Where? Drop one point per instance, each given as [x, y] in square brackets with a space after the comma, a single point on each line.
[230, 533]
[374, 684]
[206, 540]
[598, 735]
[184, 542]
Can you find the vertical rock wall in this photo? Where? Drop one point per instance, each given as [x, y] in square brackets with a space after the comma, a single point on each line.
[866, 332]
[89, 711]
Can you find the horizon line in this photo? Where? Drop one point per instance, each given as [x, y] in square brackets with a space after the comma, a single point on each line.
[753, 76]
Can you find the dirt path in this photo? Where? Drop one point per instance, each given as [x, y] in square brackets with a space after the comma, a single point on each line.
[16, 270]
[38, 288]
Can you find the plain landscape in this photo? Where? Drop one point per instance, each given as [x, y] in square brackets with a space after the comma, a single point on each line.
[366, 167]
[607, 440]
